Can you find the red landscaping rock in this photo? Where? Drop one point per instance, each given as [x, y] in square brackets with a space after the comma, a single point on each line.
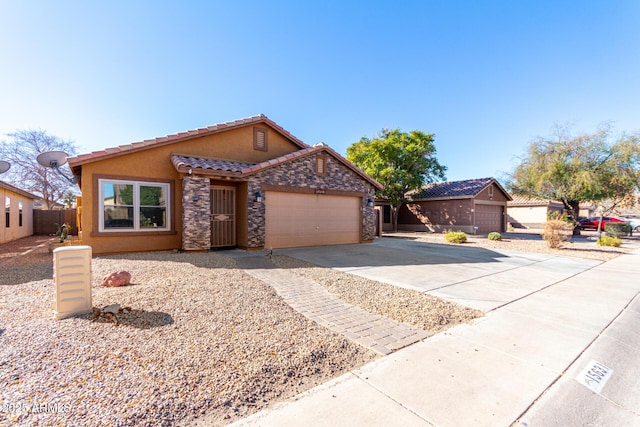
[119, 278]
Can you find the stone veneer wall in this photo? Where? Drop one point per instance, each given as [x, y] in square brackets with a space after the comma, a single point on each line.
[301, 173]
[196, 213]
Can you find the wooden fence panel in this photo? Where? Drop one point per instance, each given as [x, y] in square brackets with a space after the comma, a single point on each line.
[44, 222]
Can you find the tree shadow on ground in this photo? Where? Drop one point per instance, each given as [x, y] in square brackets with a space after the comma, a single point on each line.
[139, 319]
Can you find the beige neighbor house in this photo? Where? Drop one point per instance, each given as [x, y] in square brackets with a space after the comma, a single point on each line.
[247, 183]
[18, 213]
[531, 212]
[475, 206]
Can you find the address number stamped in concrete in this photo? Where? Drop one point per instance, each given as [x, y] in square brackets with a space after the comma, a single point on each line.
[595, 375]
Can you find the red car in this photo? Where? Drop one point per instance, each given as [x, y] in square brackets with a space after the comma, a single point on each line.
[592, 223]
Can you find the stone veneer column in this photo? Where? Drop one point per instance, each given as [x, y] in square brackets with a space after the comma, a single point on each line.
[368, 217]
[196, 213]
[256, 217]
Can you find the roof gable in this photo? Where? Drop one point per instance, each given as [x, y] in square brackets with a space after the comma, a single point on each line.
[466, 189]
[81, 159]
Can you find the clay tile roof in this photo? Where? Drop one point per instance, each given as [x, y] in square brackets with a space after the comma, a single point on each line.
[210, 164]
[238, 169]
[169, 139]
[454, 189]
[522, 200]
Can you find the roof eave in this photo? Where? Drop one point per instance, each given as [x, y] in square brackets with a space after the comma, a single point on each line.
[76, 161]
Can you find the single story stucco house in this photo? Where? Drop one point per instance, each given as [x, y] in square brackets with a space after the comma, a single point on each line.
[531, 212]
[18, 213]
[248, 183]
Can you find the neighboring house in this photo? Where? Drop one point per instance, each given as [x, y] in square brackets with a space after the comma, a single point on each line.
[587, 209]
[18, 213]
[246, 183]
[473, 206]
[531, 212]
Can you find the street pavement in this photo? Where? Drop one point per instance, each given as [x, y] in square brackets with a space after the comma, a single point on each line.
[559, 349]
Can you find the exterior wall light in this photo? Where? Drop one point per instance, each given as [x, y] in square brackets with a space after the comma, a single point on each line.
[370, 203]
[258, 197]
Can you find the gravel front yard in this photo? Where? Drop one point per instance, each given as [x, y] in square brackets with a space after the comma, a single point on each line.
[198, 336]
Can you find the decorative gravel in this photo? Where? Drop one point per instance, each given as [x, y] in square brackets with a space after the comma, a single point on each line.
[403, 305]
[196, 335]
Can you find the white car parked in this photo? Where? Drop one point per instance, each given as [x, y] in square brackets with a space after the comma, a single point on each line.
[634, 221]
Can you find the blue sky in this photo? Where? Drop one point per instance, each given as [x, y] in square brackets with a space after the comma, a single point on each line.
[486, 77]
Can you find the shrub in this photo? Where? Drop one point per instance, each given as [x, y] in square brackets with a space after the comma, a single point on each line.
[455, 237]
[609, 241]
[495, 236]
[556, 232]
[617, 229]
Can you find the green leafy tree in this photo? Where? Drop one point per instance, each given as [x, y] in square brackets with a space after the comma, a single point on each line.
[402, 162]
[21, 151]
[570, 168]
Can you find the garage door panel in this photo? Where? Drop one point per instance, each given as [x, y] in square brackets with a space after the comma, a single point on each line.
[294, 219]
[489, 218]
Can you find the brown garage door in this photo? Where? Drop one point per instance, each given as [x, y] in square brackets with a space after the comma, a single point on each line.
[489, 218]
[294, 219]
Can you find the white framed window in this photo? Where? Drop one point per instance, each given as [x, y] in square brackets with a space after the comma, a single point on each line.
[133, 206]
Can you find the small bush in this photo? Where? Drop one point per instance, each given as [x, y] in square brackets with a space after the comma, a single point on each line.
[556, 232]
[617, 229]
[455, 237]
[609, 241]
[495, 236]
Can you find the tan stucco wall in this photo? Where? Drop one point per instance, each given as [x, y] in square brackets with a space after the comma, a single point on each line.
[155, 163]
[15, 231]
[529, 216]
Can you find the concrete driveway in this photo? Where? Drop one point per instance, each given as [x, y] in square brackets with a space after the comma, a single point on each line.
[475, 277]
[565, 355]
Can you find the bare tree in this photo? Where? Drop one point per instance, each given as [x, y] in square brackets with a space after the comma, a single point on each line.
[26, 173]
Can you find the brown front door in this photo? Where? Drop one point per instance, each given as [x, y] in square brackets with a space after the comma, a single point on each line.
[223, 216]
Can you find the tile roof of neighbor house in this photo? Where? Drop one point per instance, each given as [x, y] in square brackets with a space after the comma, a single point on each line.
[522, 200]
[181, 136]
[456, 189]
[20, 191]
[184, 163]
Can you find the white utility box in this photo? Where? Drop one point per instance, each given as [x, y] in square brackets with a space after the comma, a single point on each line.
[72, 281]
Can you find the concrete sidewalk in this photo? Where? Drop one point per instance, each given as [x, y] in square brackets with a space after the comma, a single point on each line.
[510, 367]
